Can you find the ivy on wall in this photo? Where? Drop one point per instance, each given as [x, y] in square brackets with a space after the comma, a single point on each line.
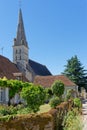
[15, 86]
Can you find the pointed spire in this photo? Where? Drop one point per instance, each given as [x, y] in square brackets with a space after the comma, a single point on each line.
[21, 38]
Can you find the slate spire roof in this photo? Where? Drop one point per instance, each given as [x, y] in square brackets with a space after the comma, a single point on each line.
[38, 68]
[21, 37]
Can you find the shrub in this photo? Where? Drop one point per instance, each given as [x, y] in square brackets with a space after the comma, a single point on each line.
[11, 110]
[69, 94]
[8, 110]
[49, 91]
[77, 102]
[3, 111]
[49, 94]
[34, 96]
[25, 110]
[58, 88]
[54, 102]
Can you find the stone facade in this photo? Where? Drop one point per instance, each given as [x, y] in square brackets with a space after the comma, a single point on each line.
[20, 50]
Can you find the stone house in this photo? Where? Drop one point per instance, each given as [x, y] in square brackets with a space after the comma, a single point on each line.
[47, 81]
[10, 71]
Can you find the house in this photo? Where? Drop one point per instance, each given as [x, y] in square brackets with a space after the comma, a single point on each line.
[47, 81]
[10, 71]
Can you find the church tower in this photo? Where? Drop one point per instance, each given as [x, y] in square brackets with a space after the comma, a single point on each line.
[20, 49]
[27, 66]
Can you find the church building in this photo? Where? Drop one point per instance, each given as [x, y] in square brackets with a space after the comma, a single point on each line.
[21, 58]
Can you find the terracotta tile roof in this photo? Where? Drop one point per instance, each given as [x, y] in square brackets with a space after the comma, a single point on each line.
[47, 81]
[7, 68]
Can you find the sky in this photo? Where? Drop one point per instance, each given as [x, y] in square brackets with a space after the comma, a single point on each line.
[55, 30]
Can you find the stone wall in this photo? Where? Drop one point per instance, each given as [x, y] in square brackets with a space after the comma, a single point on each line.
[51, 120]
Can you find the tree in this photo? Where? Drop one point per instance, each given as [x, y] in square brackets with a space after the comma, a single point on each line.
[58, 88]
[75, 71]
[34, 96]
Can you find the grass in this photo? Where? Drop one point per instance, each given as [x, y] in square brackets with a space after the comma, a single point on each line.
[72, 121]
[9, 110]
[44, 108]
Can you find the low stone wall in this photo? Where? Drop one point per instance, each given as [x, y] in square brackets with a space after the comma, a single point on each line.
[51, 120]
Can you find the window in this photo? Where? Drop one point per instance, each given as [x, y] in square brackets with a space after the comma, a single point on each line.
[1, 94]
[16, 58]
[16, 51]
[20, 57]
[20, 50]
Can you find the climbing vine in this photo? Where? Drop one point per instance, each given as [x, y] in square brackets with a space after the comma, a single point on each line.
[15, 86]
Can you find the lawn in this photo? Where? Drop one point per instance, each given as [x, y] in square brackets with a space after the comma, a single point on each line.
[44, 108]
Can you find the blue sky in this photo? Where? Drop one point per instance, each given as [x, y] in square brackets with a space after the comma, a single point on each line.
[56, 30]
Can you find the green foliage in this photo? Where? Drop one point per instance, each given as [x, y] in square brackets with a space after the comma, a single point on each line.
[58, 88]
[3, 112]
[72, 121]
[34, 96]
[49, 94]
[7, 110]
[14, 86]
[49, 91]
[25, 110]
[11, 110]
[3, 82]
[77, 102]
[54, 102]
[75, 71]
[69, 94]
[6, 118]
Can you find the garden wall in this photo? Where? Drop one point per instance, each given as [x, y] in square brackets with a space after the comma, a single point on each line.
[51, 120]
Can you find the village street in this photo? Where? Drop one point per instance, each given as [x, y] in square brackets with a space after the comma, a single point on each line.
[84, 117]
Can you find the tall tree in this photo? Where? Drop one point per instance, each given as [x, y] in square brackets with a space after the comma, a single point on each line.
[76, 72]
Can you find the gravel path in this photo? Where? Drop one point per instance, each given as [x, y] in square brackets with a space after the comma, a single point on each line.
[84, 111]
